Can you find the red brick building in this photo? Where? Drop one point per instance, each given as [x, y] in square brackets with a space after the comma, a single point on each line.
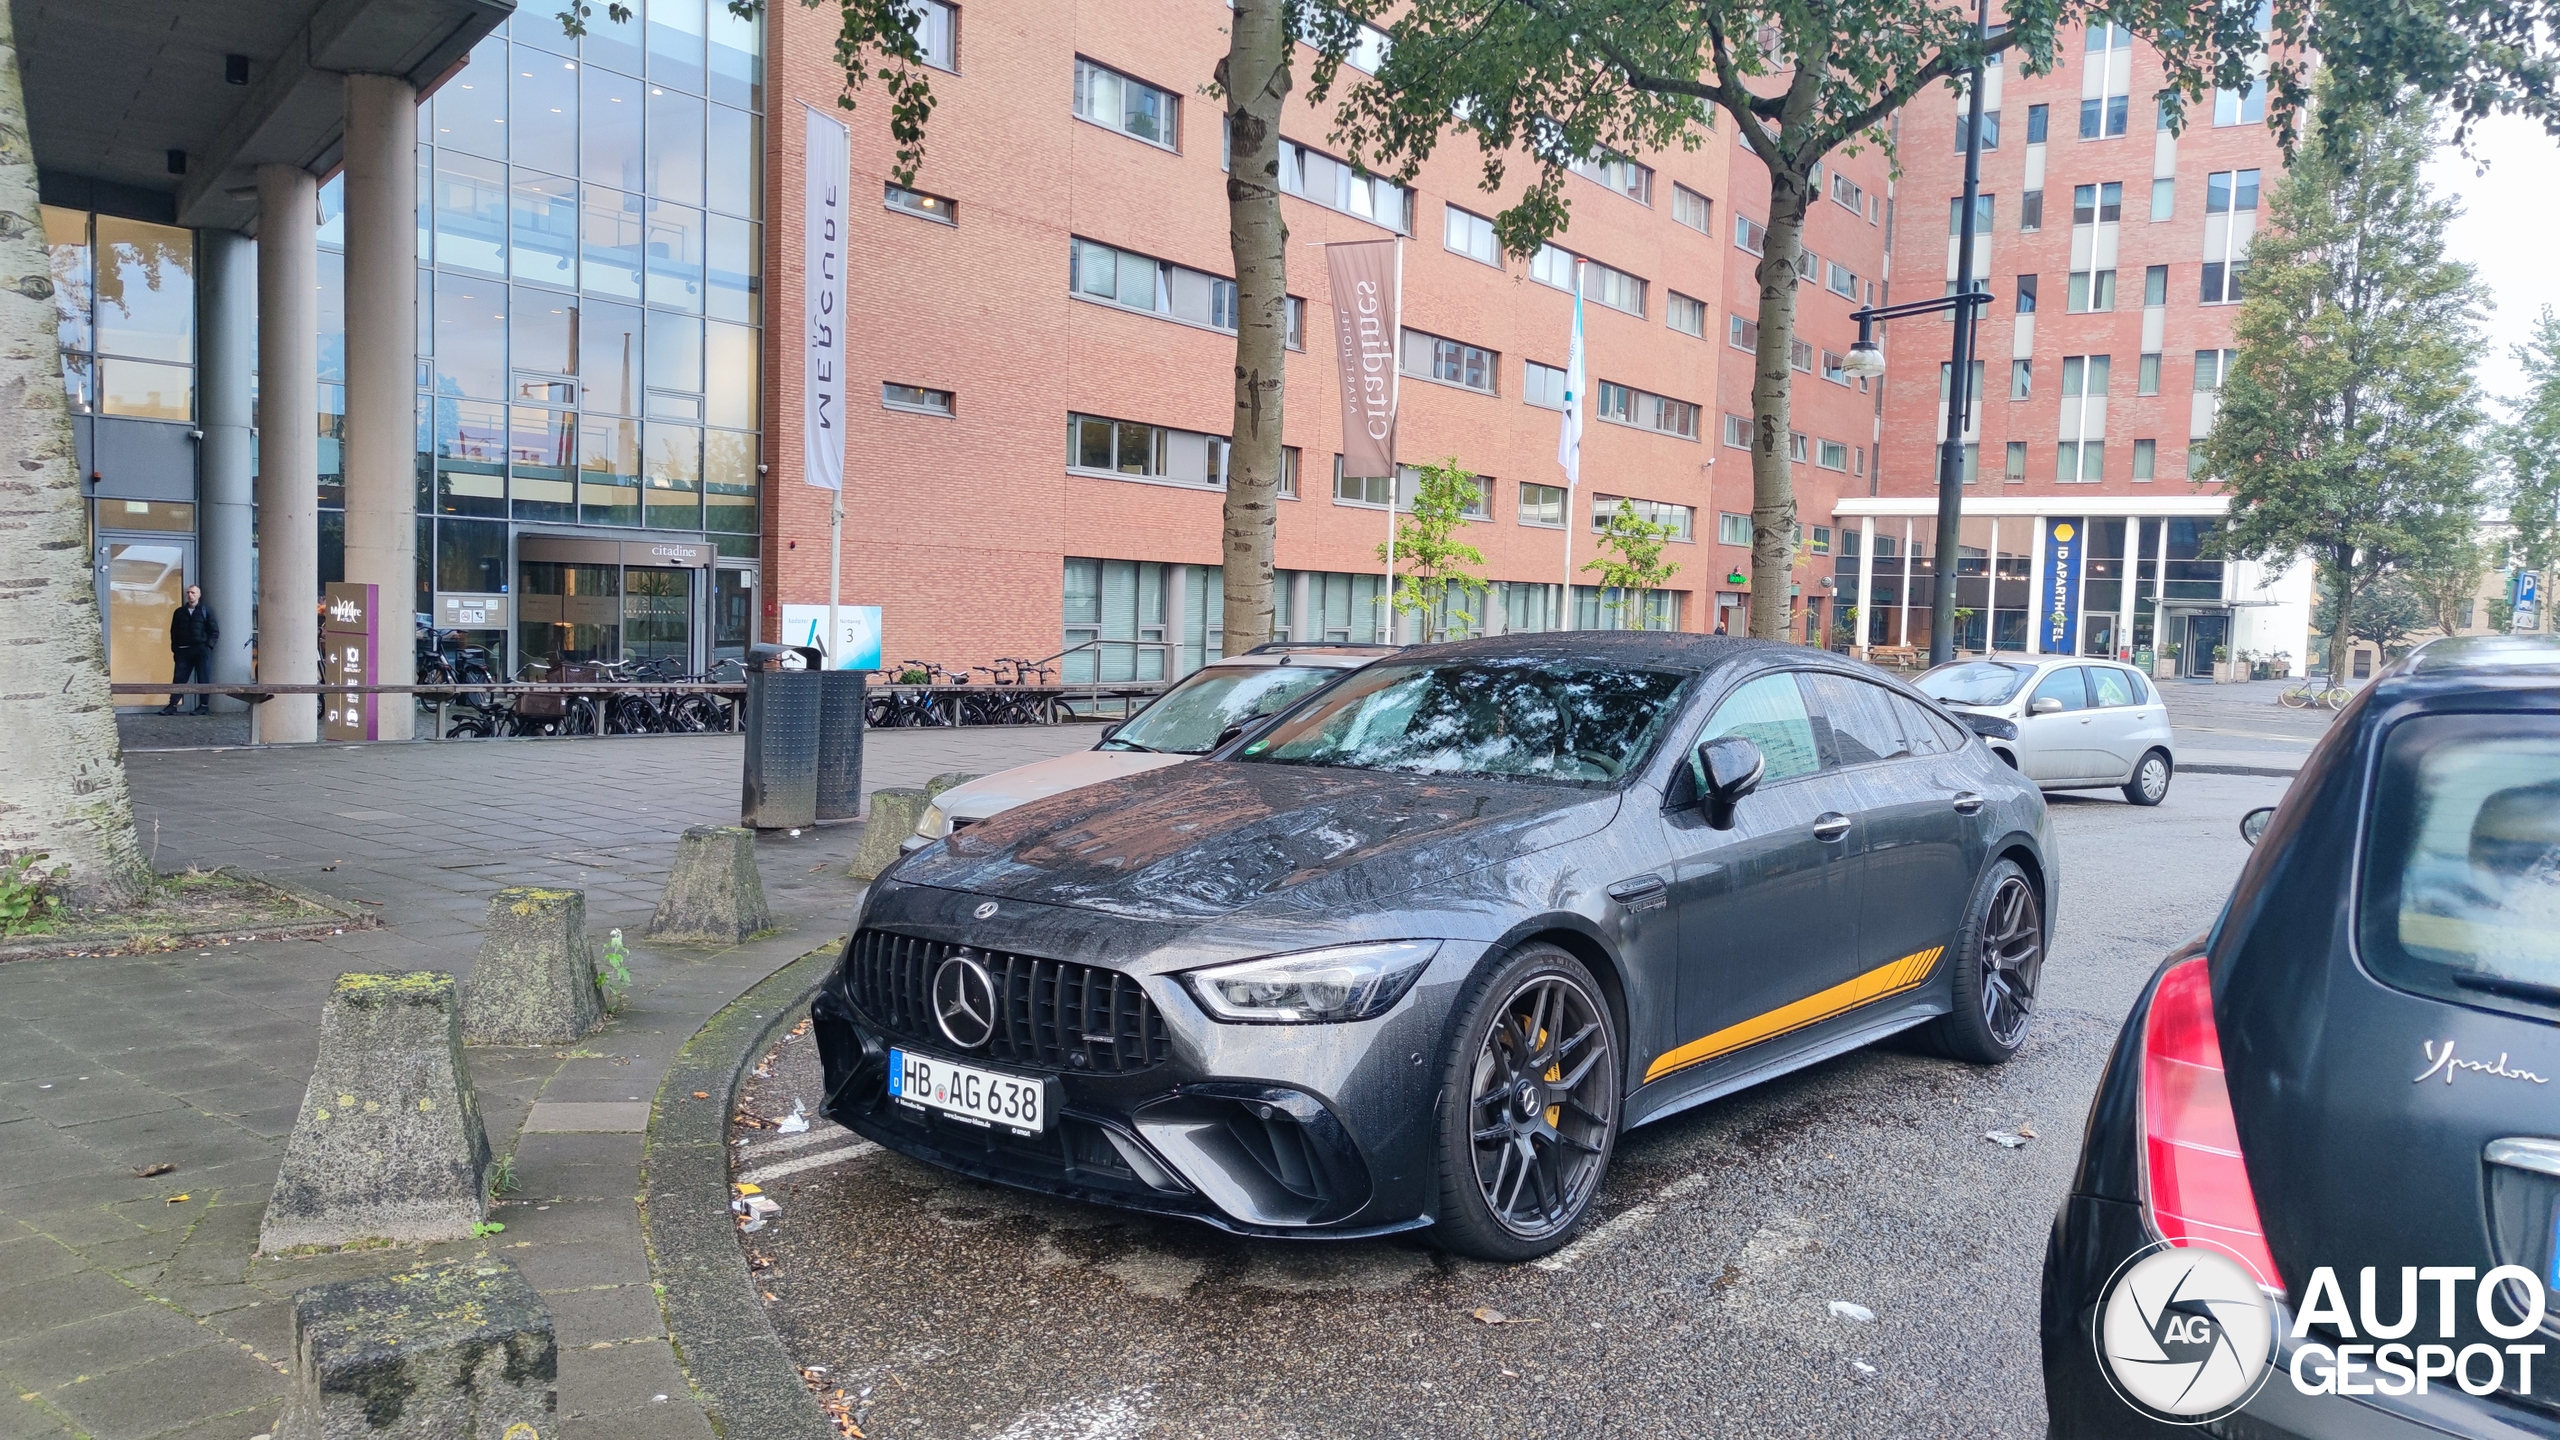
[2115, 253]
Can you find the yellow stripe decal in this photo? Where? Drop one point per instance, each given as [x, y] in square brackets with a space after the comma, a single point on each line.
[1891, 978]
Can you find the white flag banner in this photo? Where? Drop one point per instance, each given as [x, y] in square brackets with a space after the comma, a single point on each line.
[1569, 439]
[825, 188]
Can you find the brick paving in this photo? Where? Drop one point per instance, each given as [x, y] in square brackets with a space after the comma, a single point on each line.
[127, 1311]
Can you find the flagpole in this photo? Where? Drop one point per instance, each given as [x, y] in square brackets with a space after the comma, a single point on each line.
[835, 577]
[1575, 365]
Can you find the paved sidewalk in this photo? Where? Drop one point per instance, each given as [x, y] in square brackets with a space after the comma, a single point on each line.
[136, 1306]
[2240, 728]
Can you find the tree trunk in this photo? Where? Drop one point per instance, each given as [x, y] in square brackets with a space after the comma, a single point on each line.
[1773, 495]
[62, 785]
[2342, 628]
[1255, 77]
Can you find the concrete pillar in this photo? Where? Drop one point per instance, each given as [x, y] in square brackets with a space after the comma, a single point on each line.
[2035, 587]
[1304, 628]
[226, 356]
[1866, 585]
[382, 358]
[288, 485]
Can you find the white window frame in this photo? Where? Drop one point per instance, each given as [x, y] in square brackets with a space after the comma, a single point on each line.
[1733, 529]
[1453, 219]
[1683, 519]
[1693, 209]
[1695, 309]
[1436, 351]
[1084, 105]
[889, 400]
[1630, 178]
[2083, 423]
[938, 28]
[1343, 188]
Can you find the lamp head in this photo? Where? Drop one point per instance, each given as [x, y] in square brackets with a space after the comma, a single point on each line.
[1864, 360]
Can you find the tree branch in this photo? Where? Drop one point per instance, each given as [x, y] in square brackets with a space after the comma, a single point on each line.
[1894, 98]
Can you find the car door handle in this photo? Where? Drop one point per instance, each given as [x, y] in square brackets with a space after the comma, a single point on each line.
[1968, 803]
[1645, 892]
[1830, 826]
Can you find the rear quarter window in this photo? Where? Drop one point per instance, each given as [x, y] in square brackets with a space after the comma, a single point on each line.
[2461, 876]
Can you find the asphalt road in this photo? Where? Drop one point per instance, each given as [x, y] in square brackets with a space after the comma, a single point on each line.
[1698, 1303]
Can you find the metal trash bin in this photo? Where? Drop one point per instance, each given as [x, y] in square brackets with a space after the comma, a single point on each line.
[779, 790]
[839, 783]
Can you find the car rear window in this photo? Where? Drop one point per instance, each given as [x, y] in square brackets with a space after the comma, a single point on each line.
[1589, 724]
[2461, 888]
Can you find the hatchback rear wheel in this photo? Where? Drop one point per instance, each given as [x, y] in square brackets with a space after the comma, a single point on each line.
[1530, 1108]
[2150, 782]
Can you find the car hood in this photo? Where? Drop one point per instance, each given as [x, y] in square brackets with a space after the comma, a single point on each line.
[1194, 842]
[1005, 789]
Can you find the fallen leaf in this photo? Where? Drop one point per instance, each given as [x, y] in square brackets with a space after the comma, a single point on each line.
[156, 1167]
[180, 1199]
[2027, 1130]
[701, 1094]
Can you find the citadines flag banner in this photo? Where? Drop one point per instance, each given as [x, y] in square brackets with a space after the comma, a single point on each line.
[2062, 544]
[830, 164]
[1367, 276]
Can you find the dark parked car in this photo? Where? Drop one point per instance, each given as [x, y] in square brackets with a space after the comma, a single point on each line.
[2353, 1069]
[1414, 953]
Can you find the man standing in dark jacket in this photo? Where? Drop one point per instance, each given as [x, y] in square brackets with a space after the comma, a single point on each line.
[192, 631]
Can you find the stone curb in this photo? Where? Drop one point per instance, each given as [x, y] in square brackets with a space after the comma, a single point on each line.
[723, 1336]
[2276, 772]
[343, 915]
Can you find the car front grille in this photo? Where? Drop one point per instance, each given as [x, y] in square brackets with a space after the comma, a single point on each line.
[1049, 1013]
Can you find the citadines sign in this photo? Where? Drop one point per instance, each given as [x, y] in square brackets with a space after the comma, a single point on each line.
[1367, 276]
[2062, 544]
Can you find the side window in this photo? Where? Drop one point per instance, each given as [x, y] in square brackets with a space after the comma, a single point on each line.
[1769, 712]
[2114, 687]
[1858, 719]
[1929, 734]
[2069, 685]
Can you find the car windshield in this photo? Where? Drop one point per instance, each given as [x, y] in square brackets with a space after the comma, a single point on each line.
[1586, 724]
[1974, 682]
[1189, 718]
[2462, 869]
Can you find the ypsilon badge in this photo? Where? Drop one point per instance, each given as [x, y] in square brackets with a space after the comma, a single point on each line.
[2186, 1334]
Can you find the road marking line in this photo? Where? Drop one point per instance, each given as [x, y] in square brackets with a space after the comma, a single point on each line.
[2256, 735]
[819, 1133]
[767, 1174]
[1618, 1226]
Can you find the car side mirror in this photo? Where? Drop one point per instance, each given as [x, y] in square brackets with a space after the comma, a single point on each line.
[1725, 771]
[2046, 706]
[2254, 824]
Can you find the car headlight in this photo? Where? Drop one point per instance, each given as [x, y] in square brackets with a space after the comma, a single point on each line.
[933, 824]
[1347, 982]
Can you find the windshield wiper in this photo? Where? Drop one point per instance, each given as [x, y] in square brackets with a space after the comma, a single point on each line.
[1116, 743]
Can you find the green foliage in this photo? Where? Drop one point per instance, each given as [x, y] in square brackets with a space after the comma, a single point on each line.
[615, 981]
[1631, 562]
[483, 1229]
[2347, 425]
[2528, 448]
[877, 40]
[1433, 579]
[502, 1181]
[30, 893]
[2385, 614]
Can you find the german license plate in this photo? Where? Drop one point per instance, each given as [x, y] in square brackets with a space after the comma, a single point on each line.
[981, 1097]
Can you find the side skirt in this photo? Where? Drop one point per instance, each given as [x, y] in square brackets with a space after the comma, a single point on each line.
[1674, 1093]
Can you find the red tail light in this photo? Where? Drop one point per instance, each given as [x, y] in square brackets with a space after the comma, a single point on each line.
[2196, 1188]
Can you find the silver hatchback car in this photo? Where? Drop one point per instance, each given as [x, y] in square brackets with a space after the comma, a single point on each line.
[2066, 724]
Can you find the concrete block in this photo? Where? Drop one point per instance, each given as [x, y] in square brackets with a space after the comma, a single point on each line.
[946, 780]
[456, 1350]
[893, 818]
[388, 1144]
[536, 980]
[714, 896]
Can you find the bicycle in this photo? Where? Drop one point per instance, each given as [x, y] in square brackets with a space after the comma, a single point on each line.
[2321, 691]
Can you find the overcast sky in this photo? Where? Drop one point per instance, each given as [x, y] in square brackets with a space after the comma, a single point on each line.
[2506, 231]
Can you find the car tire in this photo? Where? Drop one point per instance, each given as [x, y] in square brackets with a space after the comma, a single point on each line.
[1998, 960]
[2151, 775]
[1529, 1107]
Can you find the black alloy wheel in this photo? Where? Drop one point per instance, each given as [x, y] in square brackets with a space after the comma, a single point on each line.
[1530, 1114]
[2150, 782]
[1999, 960]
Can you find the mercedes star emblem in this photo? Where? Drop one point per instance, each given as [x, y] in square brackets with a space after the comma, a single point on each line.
[964, 1000]
[986, 911]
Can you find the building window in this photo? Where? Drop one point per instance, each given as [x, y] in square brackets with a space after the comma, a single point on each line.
[1808, 266]
[1800, 355]
[2026, 294]
[1845, 191]
[2103, 113]
[2147, 375]
[1627, 177]
[2146, 455]
[1316, 176]
[1737, 432]
[1685, 315]
[937, 33]
[1132, 107]
[1832, 368]
[1369, 51]
[2155, 285]
[1982, 209]
[1369, 492]
[1741, 334]
[2019, 377]
[2031, 210]
[1296, 308]
[2081, 455]
[2241, 107]
[2014, 470]
[1115, 447]
[917, 203]
[1451, 362]
[1543, 506]
[2230, 216]
[1732, 529]
[1990, 127]
[1799, 449]
[2097, 204]
[918, 399]
[1135, 282]
[2037, 116]
[1693, 209]
[1613, 288]
[1839, 280]
[1750, 235]
[1832, 455]
[1625, 405]
[1681, 518]
[2212, 366]
[1470, 235]
[2091, 290]
[1543, 386]
[2164, 197]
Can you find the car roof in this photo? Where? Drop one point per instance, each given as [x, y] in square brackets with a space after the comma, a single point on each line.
[1658, 649]
[1321, 656]
[2482, 655]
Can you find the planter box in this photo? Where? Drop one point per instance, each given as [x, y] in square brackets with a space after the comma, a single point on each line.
[2164, 670]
